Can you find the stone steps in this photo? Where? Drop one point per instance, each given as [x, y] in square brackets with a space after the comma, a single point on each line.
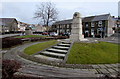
[52, 54]
[64, 42]
[55, 53]
[60, 47]
[57, 50]
[64, 45]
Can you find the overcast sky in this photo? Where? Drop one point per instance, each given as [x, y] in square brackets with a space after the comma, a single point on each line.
[24, 11]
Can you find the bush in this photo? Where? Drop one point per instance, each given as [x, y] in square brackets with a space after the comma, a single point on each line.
[9, 42]
[37, 39]
[40, 39]
[9, 67]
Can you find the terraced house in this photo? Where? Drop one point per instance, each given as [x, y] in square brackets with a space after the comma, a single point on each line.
[93, 26]
[8, 25]
[22, 26]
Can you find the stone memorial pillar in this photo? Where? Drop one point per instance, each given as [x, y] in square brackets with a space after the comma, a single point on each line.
[76, 32]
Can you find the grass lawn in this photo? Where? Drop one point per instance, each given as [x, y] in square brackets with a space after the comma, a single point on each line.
[29, 36]
[38, 47]
[93, 53]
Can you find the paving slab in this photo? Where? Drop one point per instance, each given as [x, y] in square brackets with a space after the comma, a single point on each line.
[114, 75]
[109, 65]
[111, 70]
[93, 70]
[87, 70]
[96, 66]
[116, 69]
[102, 66]
[103, 71]
[115, 65]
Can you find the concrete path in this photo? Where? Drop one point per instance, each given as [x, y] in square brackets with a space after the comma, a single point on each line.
[37, 69]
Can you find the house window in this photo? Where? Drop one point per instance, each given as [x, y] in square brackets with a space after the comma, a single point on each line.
[70, 26]
[86, 31]
[60, 26]
[64, 26]
[55, 26]
[92, 33]
[67, 26]
[86, 25]
[100, 22]
[118, 25]
[92, 24]
[100, 30]
[92, 30]
[99, 25]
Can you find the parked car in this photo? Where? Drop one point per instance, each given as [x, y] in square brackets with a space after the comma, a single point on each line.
[45, 33]
[53, 34]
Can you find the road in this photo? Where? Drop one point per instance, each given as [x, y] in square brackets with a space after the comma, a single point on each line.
[8, 35]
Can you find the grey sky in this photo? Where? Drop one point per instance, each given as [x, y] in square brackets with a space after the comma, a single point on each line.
[24, 11]
[119, 8]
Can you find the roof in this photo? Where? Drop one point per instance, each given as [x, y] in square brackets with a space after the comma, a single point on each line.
[22, 23]
[69, 21]
[85, 19]
[88, 19]
[5, 21]
[101, 17]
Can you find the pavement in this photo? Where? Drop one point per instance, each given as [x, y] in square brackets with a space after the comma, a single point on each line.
[115, 38]
[8, 35]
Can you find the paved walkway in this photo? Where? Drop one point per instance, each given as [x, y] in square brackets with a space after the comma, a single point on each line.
[37, 69]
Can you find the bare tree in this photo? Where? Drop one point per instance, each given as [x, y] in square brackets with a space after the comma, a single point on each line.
[46, 12]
